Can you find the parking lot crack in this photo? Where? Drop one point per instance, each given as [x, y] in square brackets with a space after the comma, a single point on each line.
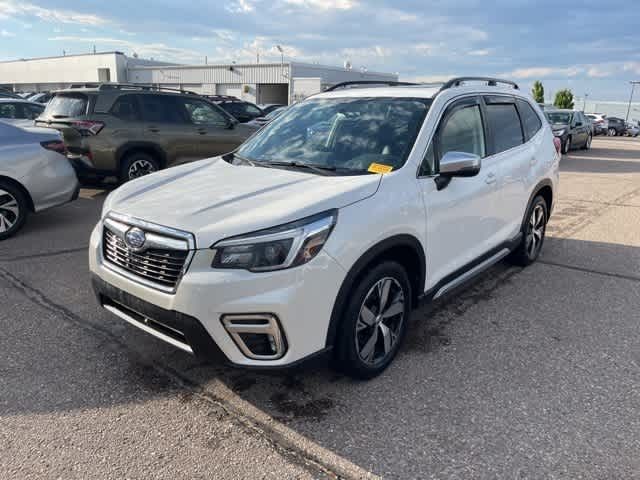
[44, 254]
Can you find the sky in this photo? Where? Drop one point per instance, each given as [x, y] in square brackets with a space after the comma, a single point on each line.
[592, 47]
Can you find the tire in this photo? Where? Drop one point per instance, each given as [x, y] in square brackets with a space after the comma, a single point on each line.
[587, 144]
[14, 209]
[136, 165]
[566, 146]
[362, 350]
[612, 132]
[524, 255]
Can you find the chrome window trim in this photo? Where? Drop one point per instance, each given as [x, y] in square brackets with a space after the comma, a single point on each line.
[126, 220]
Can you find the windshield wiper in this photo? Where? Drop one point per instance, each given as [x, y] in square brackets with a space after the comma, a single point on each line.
[319, 169]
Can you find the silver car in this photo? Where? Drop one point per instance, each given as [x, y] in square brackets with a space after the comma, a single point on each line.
[34, 174]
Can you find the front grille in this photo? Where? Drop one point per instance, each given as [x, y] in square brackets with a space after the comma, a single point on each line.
[162, 267]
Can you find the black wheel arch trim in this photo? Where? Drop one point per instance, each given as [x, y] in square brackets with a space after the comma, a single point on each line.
[129, 147]
[403, 240]
[536, 191]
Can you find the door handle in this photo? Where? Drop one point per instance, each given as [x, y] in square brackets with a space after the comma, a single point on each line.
[490, 178]
[154, 129]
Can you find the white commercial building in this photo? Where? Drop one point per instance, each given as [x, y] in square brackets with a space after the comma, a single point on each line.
[283, 82]
[261, 83]
[51, 73]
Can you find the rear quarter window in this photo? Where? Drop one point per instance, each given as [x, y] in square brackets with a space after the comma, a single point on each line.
[531, 122]
[67, 105]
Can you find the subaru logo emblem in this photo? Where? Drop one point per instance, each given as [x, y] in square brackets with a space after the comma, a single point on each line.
[135, 238]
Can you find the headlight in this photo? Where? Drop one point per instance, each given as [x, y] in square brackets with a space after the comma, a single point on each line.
[558, 133]
[276, 248]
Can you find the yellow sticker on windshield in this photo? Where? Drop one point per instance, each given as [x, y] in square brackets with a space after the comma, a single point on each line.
[379, 168]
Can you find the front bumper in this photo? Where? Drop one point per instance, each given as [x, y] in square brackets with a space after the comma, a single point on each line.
[301, 298]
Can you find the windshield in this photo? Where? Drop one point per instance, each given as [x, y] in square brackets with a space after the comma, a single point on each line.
[341, 133]
[559, 117]
[67, 105]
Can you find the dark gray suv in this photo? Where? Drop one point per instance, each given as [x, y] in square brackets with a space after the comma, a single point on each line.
[572, 128]
[127, 131]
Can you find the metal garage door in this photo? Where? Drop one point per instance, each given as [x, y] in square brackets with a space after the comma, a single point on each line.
[233, 89]
[273, 93]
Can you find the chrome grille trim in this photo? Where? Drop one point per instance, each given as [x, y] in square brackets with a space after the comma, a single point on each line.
[165, 257]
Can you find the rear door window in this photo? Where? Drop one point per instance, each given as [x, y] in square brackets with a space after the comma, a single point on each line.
[504, 124]
[8, 110]
[531, 122]
[203, 113]
[161, 109]
[67, 105]
[126, 108]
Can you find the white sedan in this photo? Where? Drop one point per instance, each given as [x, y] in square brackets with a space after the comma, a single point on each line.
[34, 174]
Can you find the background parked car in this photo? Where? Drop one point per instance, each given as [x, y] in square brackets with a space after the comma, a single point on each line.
[262, 121]
[127, 131]
[616, 126]
[600, 123]
[240, 110]
[42, 97]
[8, 94]
[572, 128]
[632, 130]
[34, 175]
[12, 109]
[267, 108]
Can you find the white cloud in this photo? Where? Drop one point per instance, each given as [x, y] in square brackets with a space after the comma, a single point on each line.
[394, 15]
[324, 4]
[158, 51]
[599, 72]
[11, 8]
[241, 6]
[543, 72]
[479, 53]
[6, 34]
[633, 67]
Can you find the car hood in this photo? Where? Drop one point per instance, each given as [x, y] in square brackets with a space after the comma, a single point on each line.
[214, 200]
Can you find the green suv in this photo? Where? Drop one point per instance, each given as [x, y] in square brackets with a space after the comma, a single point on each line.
[127, 131]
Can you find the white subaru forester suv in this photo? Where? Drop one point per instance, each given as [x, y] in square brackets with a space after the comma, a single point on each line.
[321, 232]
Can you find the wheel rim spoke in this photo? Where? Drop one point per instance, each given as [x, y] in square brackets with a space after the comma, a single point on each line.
[366, 318]
[383, 292]
[368, 350]
[387, 342]
[396, 307]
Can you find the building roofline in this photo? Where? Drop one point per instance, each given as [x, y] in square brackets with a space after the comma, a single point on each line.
[21, 60]
[269, 64]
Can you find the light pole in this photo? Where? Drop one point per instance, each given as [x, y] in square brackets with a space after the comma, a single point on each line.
[584, 104]
[281, 54]
[633, 86]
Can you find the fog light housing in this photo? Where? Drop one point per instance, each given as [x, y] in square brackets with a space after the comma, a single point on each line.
[258, 336]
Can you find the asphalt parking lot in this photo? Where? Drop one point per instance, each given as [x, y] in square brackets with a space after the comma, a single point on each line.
[530, 373]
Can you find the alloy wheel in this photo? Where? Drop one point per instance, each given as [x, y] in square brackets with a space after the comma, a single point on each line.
[140, 168]
[612, 132]
[9, 211]
[380, 321]
[535, 231]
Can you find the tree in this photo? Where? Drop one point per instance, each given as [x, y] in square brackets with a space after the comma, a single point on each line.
[564, 99]
[538, 91]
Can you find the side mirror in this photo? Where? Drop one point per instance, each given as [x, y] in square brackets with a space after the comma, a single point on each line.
[231, 123]
[578, 124]
[457, 164]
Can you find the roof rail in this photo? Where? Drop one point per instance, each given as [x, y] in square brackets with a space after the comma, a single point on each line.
[129, 86]
[385, 83]
[221, 97]
[492, 82]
